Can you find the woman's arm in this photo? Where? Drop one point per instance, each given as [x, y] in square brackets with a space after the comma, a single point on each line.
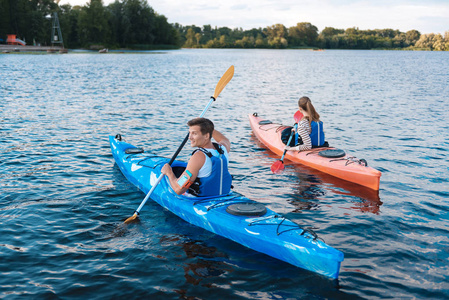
[303, 132]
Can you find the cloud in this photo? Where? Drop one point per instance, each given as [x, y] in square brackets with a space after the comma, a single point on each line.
[240, 7]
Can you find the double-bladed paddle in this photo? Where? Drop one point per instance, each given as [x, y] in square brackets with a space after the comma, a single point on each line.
[278, 166]
[227, 76]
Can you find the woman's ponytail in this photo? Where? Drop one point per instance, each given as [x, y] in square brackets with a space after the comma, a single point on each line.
[306, 104]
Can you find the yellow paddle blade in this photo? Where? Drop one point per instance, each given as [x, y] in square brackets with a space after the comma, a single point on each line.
[227, 76]
[131, 219]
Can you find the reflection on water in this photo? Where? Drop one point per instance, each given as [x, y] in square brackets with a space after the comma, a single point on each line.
[318, 184]
[204, 265]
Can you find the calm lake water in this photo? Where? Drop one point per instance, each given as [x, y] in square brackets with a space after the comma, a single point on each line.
[62, 199]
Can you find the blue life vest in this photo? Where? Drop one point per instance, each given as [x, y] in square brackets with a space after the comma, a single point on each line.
[219, 181]
[317, 134]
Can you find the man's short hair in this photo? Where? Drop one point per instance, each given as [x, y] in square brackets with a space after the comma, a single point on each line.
[206, 125]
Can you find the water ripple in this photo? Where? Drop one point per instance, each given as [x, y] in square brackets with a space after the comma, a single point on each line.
[63, 200]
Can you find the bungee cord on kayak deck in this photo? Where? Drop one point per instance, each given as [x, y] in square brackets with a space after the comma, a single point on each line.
[293, 226]
[352, 160]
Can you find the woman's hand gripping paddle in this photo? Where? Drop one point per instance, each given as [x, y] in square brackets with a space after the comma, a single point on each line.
[227, 76]
[278, 166]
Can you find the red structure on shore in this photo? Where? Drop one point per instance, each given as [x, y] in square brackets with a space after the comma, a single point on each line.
[13, 40]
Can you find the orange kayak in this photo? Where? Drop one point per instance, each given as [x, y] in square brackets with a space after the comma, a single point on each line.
[328, 160]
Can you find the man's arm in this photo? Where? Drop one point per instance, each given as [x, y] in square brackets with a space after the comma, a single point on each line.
[222, 140]
[193, 167]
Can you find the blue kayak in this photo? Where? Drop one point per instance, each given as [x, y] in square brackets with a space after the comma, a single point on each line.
[232, 216]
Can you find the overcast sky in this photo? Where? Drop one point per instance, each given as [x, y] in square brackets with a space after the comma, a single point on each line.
[429, 16]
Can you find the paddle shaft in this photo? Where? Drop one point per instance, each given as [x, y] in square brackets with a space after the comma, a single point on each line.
[171, 160]
[288, 143]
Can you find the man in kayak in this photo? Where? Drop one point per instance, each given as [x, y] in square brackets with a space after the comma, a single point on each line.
[207, 172]
[310, 133]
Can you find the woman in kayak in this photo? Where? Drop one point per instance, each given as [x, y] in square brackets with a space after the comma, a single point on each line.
[207, 172]
[310, 133]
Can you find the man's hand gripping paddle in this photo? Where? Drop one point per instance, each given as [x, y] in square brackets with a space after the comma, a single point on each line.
[278, 166]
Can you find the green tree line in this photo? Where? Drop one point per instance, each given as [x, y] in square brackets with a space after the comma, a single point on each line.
[134, 24]
[306, 35]
[121, 24]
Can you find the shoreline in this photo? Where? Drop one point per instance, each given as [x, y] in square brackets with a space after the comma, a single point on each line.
[10, 49]
[19, 48]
